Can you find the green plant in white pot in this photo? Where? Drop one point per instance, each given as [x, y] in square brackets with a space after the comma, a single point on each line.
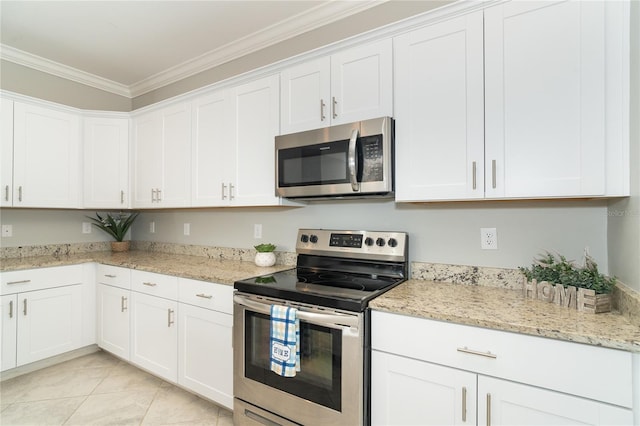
[116, 225]
[265, 255]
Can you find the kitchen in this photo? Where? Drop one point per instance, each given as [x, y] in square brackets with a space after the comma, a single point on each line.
[441, 233]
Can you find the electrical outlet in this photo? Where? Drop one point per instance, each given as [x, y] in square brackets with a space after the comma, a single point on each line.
[187, 229]
[7, 230]
[152, 227]
[257, 230]
[86, 228]
[488, 239]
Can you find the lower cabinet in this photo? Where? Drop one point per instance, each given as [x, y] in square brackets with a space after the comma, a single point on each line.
[154, 335]
[205, 354]
[113, 320]
[42, 314]
[426, 372]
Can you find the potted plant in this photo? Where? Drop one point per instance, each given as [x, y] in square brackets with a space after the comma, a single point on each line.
[265, 255]
[117, 226]
[557, 270]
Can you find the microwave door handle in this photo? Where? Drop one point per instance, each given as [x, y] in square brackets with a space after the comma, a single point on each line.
[353, 162]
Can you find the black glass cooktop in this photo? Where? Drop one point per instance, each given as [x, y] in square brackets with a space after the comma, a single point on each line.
[337, 289]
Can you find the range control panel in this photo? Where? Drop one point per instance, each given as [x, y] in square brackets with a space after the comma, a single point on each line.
[375, 245]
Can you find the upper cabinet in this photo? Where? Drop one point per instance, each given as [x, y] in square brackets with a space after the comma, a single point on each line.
[46, 157]
[162, 157]
[233, 145]
[106, 162]
[351, 85]
[6, 152]
[526, 107]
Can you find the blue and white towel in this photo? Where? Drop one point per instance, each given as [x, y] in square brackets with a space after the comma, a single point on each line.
[284, 342]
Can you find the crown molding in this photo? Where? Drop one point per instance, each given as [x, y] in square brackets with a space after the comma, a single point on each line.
[319, 16]
[39, 63]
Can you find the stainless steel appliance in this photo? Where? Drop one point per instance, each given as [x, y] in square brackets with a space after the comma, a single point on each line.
[337, 273]
[348, 160]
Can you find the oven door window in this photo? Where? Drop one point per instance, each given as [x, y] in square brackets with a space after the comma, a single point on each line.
[319, 378]
[320, 164]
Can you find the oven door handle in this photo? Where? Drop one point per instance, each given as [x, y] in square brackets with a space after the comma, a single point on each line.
[332, 319]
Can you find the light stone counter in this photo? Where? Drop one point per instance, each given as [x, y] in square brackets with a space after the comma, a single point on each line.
[202, 268]
[507, 310]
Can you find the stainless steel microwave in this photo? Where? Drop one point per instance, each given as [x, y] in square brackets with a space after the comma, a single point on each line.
[347, 160]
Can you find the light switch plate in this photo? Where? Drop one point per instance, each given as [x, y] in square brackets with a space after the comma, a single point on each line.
[7, 230]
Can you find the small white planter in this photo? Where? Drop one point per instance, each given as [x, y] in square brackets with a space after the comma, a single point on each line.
[265, 258]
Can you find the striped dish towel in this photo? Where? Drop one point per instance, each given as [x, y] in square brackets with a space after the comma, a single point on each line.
[284, 341]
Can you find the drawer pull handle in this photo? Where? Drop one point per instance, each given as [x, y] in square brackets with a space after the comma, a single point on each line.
[169, 317]
[464, 403]
[204, 296]
[472, 352]
[109, 275]
[18, 282]
[150, 284]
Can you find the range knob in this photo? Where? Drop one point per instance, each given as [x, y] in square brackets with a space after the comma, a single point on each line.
[392, 242]
[380, 242]
[313, 238]
[304, 238]
[368, 241]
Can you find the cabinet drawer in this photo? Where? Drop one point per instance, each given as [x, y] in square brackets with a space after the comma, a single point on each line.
[217, 297]
[39, 279]
[155, 284]
[590, 371]
[114, 275]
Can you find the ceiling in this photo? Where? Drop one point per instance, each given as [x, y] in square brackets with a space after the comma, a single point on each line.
[133, 47]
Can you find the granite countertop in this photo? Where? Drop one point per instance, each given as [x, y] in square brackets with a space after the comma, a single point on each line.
[507, 310]
[195, 267]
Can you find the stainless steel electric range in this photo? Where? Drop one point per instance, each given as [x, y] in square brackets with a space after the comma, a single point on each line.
[337, 273]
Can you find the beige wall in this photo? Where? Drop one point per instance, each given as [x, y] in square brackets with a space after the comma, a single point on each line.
[27, 81]
[624, 214]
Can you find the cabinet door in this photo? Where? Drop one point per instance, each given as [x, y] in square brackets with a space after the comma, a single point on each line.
[49, 323]
[154, 335]
[440, 111]
[506, 403]
[46, 152]
[406, 391]
[147, 158]
[205, 353]
[213, 152]
[176, 182]
[9, 327]
[255, 123]
[6, 152]
[545, 99]
[106, 162]
[306, 96]
[362, 83]
[113, 320]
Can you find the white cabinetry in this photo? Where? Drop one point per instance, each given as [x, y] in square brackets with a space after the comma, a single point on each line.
[154, 332]
[42, 314]
[6, 152]
[113, 296]
[440, 111]
[106, 162]
[162, 157]
[551, 119]
[205, 352]
[351, 85]
[234, 131]
[46, 157]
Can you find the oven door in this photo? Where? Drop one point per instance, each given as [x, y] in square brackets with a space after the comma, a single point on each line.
[329, 387]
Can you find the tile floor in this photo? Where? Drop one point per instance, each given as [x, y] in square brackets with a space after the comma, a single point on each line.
[99, 389]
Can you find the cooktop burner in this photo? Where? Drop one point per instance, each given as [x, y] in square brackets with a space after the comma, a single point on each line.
[337, 269]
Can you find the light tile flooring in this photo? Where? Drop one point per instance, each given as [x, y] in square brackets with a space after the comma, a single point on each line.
[99, 389]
